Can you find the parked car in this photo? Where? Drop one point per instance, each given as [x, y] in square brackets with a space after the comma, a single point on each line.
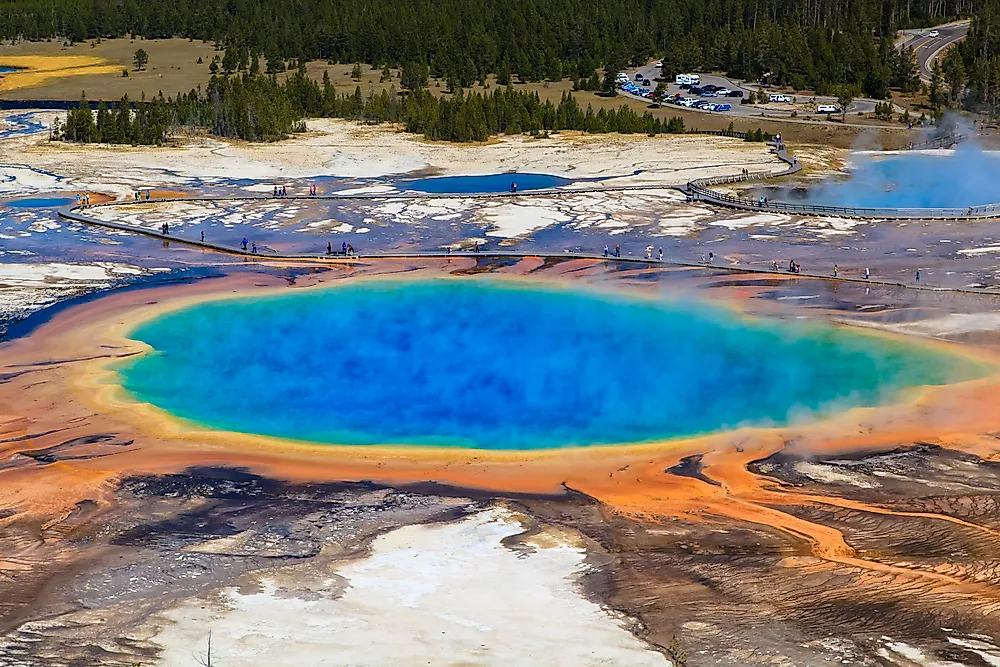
[722, 91]
[702, 104]
[709, 93]
[827, 108]
[658, 63]
[646, 82]
[710, 86]
[690, 79]
[685, 86]
[734, 93]
[934, 33]
[638, 76]
[779, 98]
[723, 107]
[695, 90]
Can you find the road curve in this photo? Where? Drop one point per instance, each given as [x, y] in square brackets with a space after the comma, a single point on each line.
[928, 48]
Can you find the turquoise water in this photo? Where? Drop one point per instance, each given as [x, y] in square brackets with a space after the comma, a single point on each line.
[495, 365]
[484, 183]
[41, 202]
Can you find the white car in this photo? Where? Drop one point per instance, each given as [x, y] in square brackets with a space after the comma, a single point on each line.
[827, 108]
[934, 33]
[722, 92]
[659, 63]
[779, 98]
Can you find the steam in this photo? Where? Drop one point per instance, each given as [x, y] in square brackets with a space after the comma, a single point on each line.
[958, 178]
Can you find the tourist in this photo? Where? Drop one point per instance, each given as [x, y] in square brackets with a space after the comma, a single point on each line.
[606, 251]
[835, 270]
[618, 251]
[350, 249]
[918, 275]
[447, 250]
[147, 195]
[649, 252]
[791, 266]
[274, 191]
[203, 236]
[868, 273]
[343, 247]
[661, 254]
[774, 265]
[476, 247]
[329, 248]
[254, 246]
[711, 256]
[244, 243]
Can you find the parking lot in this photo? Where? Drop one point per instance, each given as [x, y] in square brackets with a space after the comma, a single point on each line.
[800, 107]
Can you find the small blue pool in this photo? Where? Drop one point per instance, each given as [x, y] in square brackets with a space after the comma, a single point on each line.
[41, 202]
[484, 183]
[7, 70]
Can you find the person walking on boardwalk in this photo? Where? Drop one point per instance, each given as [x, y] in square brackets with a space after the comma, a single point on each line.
[868, 273]
[203, 236]
[618, 251]
[918, 275]
[329, 248]
[606, 251]
[661, 254]
[835, 270]
[350, 249]
[254, 247]
[343, 247]
[244, 243]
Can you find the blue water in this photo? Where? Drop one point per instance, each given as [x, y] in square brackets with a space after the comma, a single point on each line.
[7, 70]
[957, 180]
[41, 202]
[495, 365]
[485, 183]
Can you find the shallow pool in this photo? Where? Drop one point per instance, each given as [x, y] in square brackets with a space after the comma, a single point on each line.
[500, 365]
[484, 183]
[41, 202]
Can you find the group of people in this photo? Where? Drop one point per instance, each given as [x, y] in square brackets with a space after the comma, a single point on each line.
[513, 186]
[83, 199]
[649, 252]
[165, 229]
[312, 191]
[244, 243]
[141, 194]
[280, 192]
[346, 248]
[618, 251]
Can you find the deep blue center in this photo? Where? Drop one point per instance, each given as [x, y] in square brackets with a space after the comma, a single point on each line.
[499, 365]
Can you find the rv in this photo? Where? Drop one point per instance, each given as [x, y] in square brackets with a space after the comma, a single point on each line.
[827, 108]
[689, 79]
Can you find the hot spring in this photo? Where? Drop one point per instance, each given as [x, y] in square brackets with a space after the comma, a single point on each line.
[500, 365]
[484, 183]
[958, 179]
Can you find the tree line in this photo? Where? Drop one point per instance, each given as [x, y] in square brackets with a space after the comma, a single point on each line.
[258, 107]
[804, 43]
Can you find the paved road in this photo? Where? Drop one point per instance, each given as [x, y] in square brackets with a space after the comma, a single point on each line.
[928, 48]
